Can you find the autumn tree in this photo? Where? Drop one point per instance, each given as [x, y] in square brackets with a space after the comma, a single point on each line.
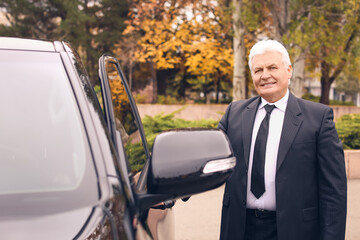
[149, 28]
[210, 57]
[180, 35]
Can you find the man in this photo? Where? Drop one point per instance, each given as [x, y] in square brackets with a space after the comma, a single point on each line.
[290, 181]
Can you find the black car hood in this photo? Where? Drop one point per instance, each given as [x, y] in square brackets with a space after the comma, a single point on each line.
[64, 225]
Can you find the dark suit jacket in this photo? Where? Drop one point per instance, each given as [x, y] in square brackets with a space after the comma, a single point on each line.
[311, 188]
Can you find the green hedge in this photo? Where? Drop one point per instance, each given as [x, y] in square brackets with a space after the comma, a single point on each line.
[348, 128]
[310, 97]
[157, 124]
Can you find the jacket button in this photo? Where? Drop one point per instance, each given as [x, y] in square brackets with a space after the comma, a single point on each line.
[244, 202]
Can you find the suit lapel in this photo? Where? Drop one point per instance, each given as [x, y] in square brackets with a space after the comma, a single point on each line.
[291, 125]
[248, 117]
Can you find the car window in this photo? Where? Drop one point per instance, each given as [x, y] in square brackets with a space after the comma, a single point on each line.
[125, 120]
[43, 145]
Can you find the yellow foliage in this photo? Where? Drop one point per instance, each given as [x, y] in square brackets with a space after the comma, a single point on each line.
[173, 37]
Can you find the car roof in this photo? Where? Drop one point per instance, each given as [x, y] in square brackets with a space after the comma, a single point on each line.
[26, 44]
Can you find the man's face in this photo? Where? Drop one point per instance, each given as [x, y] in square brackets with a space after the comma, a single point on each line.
[270, 76]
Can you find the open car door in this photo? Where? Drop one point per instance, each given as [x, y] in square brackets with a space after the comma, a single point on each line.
[183, 161]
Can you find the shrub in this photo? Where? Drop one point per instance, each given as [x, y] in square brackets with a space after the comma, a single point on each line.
[140, 98]
[348, 128]
[157, 124]
[310, 97]
[161, 99]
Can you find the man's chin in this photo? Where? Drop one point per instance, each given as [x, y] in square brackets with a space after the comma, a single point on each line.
[270, 96]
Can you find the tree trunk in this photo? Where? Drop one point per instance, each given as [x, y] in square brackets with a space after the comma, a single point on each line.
[218, 86]
[130, 73]
[298, 80]
[153, 82]
[239, 80]
[280, 10]
[282, 16]
[182, 87]
[207, 98]
[162, 76]
[326, 82]
[325, 90]
[218, 90]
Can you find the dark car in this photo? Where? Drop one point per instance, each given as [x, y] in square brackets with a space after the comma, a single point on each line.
[74, 159]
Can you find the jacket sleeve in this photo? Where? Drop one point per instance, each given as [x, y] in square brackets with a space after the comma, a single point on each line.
[223, 124]
[332, 180]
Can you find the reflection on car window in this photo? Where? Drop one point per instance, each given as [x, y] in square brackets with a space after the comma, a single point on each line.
[43, 146]
[125, 120]
[84, 79]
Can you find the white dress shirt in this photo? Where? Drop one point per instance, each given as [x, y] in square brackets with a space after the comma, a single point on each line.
[268, 200]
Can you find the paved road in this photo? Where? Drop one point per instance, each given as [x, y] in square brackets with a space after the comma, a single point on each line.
[199, 218]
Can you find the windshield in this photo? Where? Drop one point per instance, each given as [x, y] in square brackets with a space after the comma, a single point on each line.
[43, 145]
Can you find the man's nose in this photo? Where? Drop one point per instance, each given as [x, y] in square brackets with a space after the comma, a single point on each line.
[265, 74]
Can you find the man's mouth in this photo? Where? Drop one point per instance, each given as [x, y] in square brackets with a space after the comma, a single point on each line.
[268, 84]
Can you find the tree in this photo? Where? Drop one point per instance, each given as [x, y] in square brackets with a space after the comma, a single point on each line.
[149, 24]
[34, 19]
[285, 15]
[173, 35]
[334, 28]
[239, 78]
[250, 20]
[318, 35]
[92, 26]
[349, 80]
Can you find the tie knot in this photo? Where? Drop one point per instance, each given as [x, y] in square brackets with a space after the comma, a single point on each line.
[269, 108]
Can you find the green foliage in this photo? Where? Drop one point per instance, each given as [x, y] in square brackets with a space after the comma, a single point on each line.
[159, 123]
[92, 27]
[140, 98]
[136, 156]
[213, 101]
[155, 125]
[168, 100]
[348, 128]
[349, 85]
[310, 97]
[341, 103]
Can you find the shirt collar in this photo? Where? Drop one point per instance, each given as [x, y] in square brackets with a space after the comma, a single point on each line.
[280, 104]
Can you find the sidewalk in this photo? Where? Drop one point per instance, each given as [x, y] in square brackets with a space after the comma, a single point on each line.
[199, 217]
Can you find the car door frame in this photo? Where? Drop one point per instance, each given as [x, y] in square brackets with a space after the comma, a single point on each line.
[110, 118]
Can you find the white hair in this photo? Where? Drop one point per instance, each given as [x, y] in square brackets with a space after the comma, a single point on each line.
[266, 46]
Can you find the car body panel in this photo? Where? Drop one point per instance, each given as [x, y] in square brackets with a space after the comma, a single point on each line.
[26, 44]
[45, 226]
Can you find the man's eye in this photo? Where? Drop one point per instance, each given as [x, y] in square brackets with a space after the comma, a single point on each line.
[258, 70]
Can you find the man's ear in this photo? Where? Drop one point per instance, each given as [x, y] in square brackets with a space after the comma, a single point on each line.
[290, 70]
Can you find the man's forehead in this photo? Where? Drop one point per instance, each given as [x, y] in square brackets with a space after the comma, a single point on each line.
[267, 59]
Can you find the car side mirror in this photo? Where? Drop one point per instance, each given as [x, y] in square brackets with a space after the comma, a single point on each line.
[187, 161]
